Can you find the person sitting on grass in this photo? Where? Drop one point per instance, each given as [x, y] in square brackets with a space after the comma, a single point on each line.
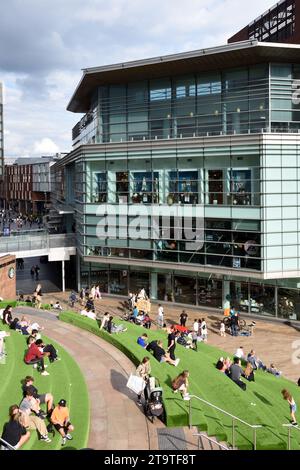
[273, 370]
[88, 313]
[240, 353]
[162, 356]
[60, 418]
[181, 383]
[46, 398]
[30, 404]
[248, 372]
[13, 432]
[112, 328]
[32, 422]
[236, 372]
[104, 321]
[35, 357]
[146, 321]
[48, 349]
[142, 340]
[293, 407]
[220, 364]
[255, 362]
[57, 306]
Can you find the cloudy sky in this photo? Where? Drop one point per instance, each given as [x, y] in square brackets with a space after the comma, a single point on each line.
[44, 44]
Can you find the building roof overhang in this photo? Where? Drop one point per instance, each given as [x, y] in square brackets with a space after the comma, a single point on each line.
[238, 54]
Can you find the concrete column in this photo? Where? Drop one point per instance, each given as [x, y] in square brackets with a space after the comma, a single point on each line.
[78, 279]
[153, 286]
[63, 275]
[226, 293]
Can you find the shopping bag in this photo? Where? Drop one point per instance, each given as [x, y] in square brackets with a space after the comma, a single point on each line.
[136, 384]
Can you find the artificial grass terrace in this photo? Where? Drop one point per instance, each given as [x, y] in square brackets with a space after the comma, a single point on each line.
[65, 381]
[261, 403]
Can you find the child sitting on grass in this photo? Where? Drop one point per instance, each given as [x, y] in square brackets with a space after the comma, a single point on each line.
[293, 407]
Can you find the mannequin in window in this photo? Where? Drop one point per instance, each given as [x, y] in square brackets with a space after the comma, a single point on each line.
[144, 184]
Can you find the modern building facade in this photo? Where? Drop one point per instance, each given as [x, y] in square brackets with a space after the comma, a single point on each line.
[1, 133]
[211, 136]
[26, 185]
[281, 23]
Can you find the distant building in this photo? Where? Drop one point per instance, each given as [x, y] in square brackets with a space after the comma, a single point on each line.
[26, 186]
[281, 23]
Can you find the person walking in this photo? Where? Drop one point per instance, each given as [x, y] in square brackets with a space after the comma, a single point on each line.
[172, 343]
[293, 407]
[183, 318]
[32, 272]
[144, 371]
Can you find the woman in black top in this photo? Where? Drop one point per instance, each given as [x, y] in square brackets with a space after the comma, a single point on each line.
[7, 316]
[13, 432]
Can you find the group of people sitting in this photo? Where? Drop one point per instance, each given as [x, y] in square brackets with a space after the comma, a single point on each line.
[140, 318]
[235, 371]
[29, 416]
[157, 348]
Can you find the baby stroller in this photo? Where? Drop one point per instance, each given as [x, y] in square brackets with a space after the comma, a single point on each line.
[153, 400]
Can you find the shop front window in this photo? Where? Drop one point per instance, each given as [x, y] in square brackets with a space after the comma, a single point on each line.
[122, 186]
[185, 289]
[99, 277]
[210, 292]
[289, 304]
[239, 296]
[145, 187]
[215, 186]
[118, 282]
[165, 287]
[183, 187]
[262, 299]
[240, 187]
[139, 280]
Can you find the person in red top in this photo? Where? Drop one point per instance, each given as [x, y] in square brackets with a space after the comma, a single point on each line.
[35, 356]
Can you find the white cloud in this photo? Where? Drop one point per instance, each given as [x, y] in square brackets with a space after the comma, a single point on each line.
[45, 146]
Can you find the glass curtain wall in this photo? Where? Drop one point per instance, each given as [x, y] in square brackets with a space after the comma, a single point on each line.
[227, 102]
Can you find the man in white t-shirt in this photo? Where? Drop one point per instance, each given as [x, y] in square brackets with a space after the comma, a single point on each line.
[240, 353]
[196, 326]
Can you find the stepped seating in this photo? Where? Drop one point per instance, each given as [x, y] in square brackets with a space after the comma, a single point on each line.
[261, 404]
[65, 381]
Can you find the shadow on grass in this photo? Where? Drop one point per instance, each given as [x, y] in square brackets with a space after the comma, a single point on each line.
[263, 399]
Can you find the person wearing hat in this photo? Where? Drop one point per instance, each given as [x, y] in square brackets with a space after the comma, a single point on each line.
[61, 421]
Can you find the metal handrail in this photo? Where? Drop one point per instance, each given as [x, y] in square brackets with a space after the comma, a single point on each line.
[290, 426]
[213, 441]
[7, 444]
[234, 419]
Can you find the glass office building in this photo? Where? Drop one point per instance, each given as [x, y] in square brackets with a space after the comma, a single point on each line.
[211, 135]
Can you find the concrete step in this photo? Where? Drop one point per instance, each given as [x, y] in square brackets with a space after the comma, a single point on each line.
[204, 442]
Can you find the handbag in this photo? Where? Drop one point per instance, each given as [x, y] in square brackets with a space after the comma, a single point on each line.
[136, 384]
